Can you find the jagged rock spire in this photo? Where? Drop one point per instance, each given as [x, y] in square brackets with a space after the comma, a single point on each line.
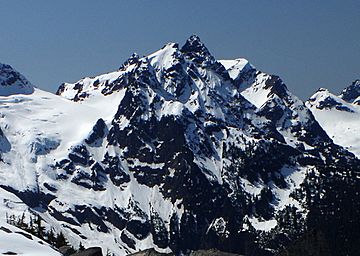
[134, 58]
[197, 51]
[194, 44]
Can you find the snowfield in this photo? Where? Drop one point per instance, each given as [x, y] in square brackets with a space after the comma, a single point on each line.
[340, 119]
[14, 241]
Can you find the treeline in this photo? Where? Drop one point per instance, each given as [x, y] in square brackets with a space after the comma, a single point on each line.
[36, 228]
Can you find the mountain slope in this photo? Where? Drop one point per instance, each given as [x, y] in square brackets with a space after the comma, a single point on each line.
[14, 241]
[274, 101]
[180, 152]
[339, 115]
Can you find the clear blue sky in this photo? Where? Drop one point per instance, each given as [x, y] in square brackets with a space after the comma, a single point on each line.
[310, 44]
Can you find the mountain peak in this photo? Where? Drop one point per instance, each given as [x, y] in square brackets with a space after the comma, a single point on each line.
[194, 44]
[324, 99]
[12, 82]
[352, 92]
[197, 51]
[324, 90]
[194, 39]
[276, 86]
[134, 58]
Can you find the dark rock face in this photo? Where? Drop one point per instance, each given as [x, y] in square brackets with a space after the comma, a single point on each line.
[139, 229]
[61, 89]
[12, 82]
[277, 86]
[31, 197]
[98, 133]
[134, 58]
[210, 252]
[158, 230]
[66, 250]
[196, 50]
[5, 145]
[80, 155]
[329, 103]
[352, 92]
[127, 240]
[116, 173]
[312, 243]
[93, 251]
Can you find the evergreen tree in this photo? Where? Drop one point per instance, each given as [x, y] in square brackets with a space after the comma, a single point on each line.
[21, 222]
[81, 247]
[39, 228]
[60, 240]
[51, 237]
[31, 225]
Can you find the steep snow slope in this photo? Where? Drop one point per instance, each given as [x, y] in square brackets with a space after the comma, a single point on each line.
[236, 67]
[36, 129]
[40, 124]
[339, 115]
[175, 151]
[14, 241]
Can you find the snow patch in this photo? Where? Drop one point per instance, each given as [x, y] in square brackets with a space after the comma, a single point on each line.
[265, 225]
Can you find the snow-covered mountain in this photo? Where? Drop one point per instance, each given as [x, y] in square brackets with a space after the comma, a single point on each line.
[177, 151]
[339, 115]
